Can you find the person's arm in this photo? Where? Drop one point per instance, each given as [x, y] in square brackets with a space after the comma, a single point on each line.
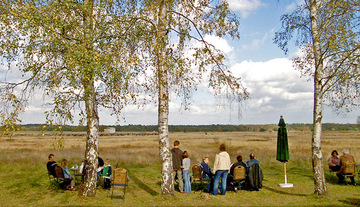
[110, 171]
[216, 163]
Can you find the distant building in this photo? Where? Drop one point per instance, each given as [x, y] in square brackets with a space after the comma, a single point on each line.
[110, 130]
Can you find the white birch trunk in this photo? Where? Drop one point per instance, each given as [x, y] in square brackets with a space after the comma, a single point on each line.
[88, 187]
[167, 184]
[317, 157]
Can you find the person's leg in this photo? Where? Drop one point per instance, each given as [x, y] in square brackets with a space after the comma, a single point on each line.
[72, 184]
[224, 175]
[216, 182]
[186, 179]
[181, 182]
[341, 178]
[105, 184]
[352, 180]
[109, 183]
[239, 186]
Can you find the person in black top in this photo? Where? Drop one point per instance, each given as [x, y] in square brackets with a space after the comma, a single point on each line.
[51, 165]
[100, 167]
[237, 186]
[239, 162]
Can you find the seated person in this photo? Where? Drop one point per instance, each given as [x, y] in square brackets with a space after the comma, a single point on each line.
[67, 176]
[252, 161]
[343, 159]
[51, 165]
[334, 161]
[207, 174]
[237, 185]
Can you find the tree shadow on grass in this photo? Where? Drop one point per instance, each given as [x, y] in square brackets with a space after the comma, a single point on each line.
[143, 185]
[282, 192]
[351, 201]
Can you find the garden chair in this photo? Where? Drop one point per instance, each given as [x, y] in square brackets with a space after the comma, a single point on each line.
[198, 178]
[239, 175]
[349, 170]
[58, 180]
[119, 180]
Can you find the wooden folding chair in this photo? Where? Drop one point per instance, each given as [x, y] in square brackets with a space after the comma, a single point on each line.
[198, 178]
[349, 170]
[119, 180]
[239, 173]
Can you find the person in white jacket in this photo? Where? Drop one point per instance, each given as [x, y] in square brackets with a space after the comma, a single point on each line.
[221, 170]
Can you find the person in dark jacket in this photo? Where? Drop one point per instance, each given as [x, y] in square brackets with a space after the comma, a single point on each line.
[177, 163]
[254, 178]
[100, 167]
[51, 165]
[207, 174]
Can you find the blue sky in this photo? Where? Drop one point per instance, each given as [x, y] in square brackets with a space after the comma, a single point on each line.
[275, 87]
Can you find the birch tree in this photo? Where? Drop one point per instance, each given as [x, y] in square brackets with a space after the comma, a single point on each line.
[178, 58]
[63, 48]
[327, 32]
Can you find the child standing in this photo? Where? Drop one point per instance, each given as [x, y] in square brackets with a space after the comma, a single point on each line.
[107, 174]
[186, 172]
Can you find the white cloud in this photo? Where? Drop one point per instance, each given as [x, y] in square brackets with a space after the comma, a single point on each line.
[219, 43]
[245, 7]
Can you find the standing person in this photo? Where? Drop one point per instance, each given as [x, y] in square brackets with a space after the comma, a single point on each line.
[221, 169]
[107, 174]
[343, 159]
[177, 163]
[67, 175]
[334, 161]
[100, 167]
[186, 172]
[51, 165]
[207, 174]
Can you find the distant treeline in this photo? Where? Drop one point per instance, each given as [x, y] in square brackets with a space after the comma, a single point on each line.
[195, 128]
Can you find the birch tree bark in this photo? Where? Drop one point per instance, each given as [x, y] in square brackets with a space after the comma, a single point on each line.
[88, 187]
[317, 157]
[167, 183]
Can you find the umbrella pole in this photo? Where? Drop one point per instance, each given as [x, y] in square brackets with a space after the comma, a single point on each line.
[286, 185]
[285, 172]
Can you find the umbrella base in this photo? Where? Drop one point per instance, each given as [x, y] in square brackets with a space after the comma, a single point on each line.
[286, 185]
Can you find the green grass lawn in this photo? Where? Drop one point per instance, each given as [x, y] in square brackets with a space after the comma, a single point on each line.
[28, 185]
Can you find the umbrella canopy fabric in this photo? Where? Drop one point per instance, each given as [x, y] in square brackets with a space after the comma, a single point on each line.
[282, 154]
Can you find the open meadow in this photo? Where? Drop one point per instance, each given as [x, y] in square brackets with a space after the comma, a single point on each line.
[24, 180]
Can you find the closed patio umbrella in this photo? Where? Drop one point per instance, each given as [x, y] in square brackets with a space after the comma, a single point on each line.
[282, 153]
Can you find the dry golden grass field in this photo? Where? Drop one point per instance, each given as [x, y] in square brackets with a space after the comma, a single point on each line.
[24, 180]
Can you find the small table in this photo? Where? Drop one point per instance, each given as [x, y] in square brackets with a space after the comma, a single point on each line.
[76, 174]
